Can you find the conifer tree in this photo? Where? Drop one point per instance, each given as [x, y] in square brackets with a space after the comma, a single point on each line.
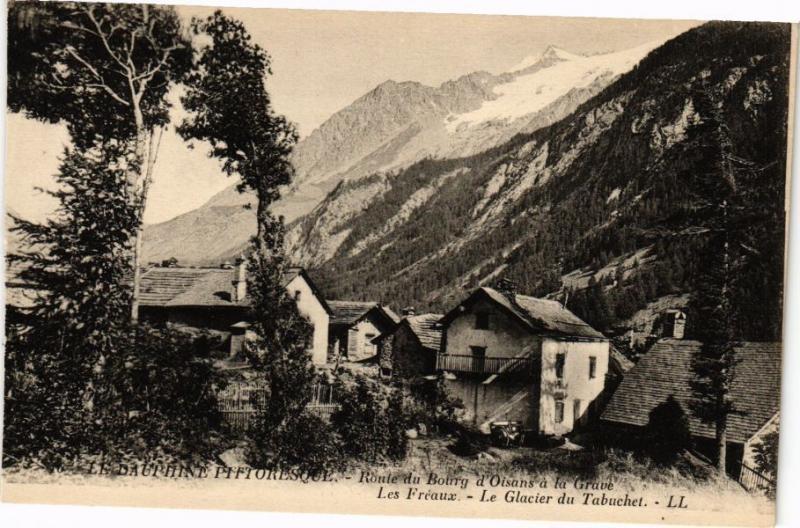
[718, 216]
[75, 263]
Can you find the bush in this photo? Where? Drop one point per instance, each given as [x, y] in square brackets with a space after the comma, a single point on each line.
[766, 458]
[371, 424]
[307, 443]
[432, 406]
[151, 398]
[667, 433]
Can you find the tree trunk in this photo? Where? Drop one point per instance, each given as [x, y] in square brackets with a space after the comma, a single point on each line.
[722, 441]
[138, 188]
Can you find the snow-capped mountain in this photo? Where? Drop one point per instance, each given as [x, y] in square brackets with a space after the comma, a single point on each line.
[395, 125]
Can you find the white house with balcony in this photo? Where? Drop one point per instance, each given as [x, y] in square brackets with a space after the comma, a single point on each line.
[512, 357]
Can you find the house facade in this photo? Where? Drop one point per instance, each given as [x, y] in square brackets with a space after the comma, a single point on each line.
[519, 358]
[665, 370]
[353, 327]
[410, 349]
[216, 300]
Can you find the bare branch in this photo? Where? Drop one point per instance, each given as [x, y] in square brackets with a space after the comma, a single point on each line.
[89, 10]
[97, 75]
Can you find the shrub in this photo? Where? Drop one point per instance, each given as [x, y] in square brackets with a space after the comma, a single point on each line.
[152, 398]
[307, 443]
[371, 424]
[433, 405]
[766, 458]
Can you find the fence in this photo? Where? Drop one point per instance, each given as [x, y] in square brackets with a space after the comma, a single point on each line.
[239, 402]
[752, 480]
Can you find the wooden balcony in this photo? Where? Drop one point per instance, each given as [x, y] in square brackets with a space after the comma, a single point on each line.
[483, 365]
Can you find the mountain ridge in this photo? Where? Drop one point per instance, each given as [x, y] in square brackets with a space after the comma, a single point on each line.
[392, 126]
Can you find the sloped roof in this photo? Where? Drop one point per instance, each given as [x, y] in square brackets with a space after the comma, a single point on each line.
[350, 312]
[199, 287]
[666, 370]
[618, 361]
[540, 316]
[427, 329]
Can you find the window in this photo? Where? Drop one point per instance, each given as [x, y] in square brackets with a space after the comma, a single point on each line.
[592, 367]
[560, 359]
[482, 321]
[558, 415]
[297, 295]
[576, 411]
[369, 346]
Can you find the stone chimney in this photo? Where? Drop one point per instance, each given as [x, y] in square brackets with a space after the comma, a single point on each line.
[674, 324]
[240, 281]
[408, 311]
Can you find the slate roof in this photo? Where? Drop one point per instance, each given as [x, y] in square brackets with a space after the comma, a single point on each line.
[540, 316]
[349, 312]
[666, 370]
[212, 287]
[427, 329]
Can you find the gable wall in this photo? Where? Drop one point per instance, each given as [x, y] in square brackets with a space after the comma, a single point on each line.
[310, 306]
[504, 337]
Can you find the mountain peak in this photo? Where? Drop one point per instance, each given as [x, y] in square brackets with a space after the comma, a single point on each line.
[550, 54]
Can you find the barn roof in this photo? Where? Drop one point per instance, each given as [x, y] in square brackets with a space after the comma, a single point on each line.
[350, 312]
[665, 370]
[212, 287]
[540, 316]
[427, 329]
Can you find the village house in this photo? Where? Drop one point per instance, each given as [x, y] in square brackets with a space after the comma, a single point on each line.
[512, 357]
[665, 370]
[354, 325]
[216, 300]
[410, 349]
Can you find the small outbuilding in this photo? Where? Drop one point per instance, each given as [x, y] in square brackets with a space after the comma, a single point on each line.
[353, 327]
[410, 349]
[665, 371]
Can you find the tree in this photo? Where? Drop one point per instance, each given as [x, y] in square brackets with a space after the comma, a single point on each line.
[73, 262]
[720, 213]
[230, 108]
[104, 70]
[81, 380]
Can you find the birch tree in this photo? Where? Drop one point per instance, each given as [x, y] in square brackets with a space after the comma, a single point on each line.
[104, 71]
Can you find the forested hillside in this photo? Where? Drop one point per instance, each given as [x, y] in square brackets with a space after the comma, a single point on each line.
[596, 209]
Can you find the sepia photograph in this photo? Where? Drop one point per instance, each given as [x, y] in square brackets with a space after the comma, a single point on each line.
[395, 263]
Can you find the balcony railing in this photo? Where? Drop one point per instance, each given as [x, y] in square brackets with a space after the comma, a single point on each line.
[483, 365]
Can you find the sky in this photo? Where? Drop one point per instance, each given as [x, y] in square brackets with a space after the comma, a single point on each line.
[323, 61]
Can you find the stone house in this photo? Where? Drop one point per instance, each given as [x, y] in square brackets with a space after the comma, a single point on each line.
[354, 325]
[410, 349]
[665, 370]
[520, 358]
[216, 300]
